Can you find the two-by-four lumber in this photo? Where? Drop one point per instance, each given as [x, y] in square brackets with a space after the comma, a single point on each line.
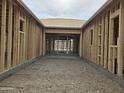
[9, 47]
[121, 41]
[3, 35]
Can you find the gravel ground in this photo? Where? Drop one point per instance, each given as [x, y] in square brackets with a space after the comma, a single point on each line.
[59, 75]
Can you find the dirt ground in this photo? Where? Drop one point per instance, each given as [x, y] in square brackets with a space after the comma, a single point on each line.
[59, 75]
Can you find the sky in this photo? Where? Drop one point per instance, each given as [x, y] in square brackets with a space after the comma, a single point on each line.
[72, 9]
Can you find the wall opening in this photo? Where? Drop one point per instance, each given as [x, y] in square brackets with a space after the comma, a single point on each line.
[115, 66]
[62, 44]
[21, 25]
[116, 30]
[92, 37]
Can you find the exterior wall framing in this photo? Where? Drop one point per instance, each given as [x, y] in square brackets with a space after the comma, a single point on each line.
[20, 34]
[103, 51]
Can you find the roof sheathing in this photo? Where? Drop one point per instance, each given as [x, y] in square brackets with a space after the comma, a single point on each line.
[63, 23]
[73, 28]
[98, 12]
[29, 11]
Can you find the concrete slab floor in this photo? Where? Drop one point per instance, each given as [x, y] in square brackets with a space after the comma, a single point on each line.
[51, 75]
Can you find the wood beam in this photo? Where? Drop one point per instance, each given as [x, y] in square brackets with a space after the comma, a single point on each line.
[121, 41]
[106, 41]
[3, 35]
[9, 47]
[81, 45]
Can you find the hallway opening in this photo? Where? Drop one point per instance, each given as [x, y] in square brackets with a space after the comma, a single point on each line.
[62, 44]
